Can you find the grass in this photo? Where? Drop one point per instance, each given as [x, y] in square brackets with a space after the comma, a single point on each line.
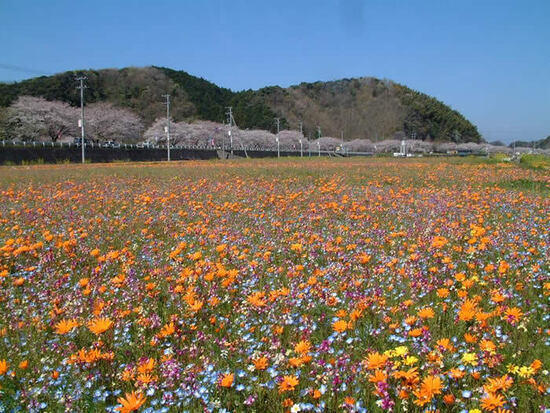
[535, 161]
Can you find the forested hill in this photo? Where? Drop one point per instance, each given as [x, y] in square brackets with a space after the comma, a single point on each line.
[357, 108]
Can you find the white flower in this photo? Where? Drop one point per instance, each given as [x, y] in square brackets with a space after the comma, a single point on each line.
[295, 408]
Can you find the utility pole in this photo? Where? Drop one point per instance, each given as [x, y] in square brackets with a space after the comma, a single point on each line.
[167, 123]
[278, 122]
[82, 86]
[229, 114]
[301, 137]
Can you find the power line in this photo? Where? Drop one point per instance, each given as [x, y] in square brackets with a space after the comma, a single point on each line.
[22, 69]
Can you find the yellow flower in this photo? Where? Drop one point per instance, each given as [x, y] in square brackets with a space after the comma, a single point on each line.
[401, 351]
[474, 411]
[512, 368]
[410, 360]
[469, 358]
[526, 371]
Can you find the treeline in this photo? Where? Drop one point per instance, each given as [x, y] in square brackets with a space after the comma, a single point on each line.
[365, 108]
[539, 144]
[430, 119]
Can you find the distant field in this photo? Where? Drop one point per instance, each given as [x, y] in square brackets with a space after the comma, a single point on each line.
[276, 285]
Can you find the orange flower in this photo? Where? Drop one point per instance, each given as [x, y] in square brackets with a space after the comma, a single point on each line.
[492, 402]
[130, 402]
[167, 330]
[468, 310]
[488, 346]
[497, 384]
[100, 325]
[376, 360]
[349, 401]
[302, 347]
[288, 384]
[456, 373]
[439, 242]
[449, 399]
[147, 366]
[227, 380]
[295, 362]
[65, 326]
[431, 385]
[426, 312]
[442, 292]
[410, 377]
[513, 315]
[260, 363]
[257, 299]
[3, 367]
[24, 364]
[378, 376]
[287, 402]
[146, 378]
[340, 326]
[445, 343]
[415, 332]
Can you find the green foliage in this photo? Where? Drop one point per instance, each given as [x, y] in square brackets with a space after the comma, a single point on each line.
[428, 117]
[251, 112]
[525, 185]
[209, 100]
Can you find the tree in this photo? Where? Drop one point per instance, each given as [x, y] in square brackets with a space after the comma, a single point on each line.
[107, 122]
[34, 119]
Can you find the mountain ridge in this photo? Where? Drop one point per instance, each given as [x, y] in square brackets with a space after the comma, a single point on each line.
[364, 107]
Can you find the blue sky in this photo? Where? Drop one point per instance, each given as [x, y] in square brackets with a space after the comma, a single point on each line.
[488, 59]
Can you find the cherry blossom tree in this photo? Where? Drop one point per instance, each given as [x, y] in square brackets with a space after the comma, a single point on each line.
[106, 122]
[37, 119]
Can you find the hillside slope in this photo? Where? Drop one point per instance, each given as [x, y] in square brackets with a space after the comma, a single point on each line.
[358, 108]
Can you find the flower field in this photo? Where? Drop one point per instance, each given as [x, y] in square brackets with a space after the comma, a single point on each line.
[275, 285]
